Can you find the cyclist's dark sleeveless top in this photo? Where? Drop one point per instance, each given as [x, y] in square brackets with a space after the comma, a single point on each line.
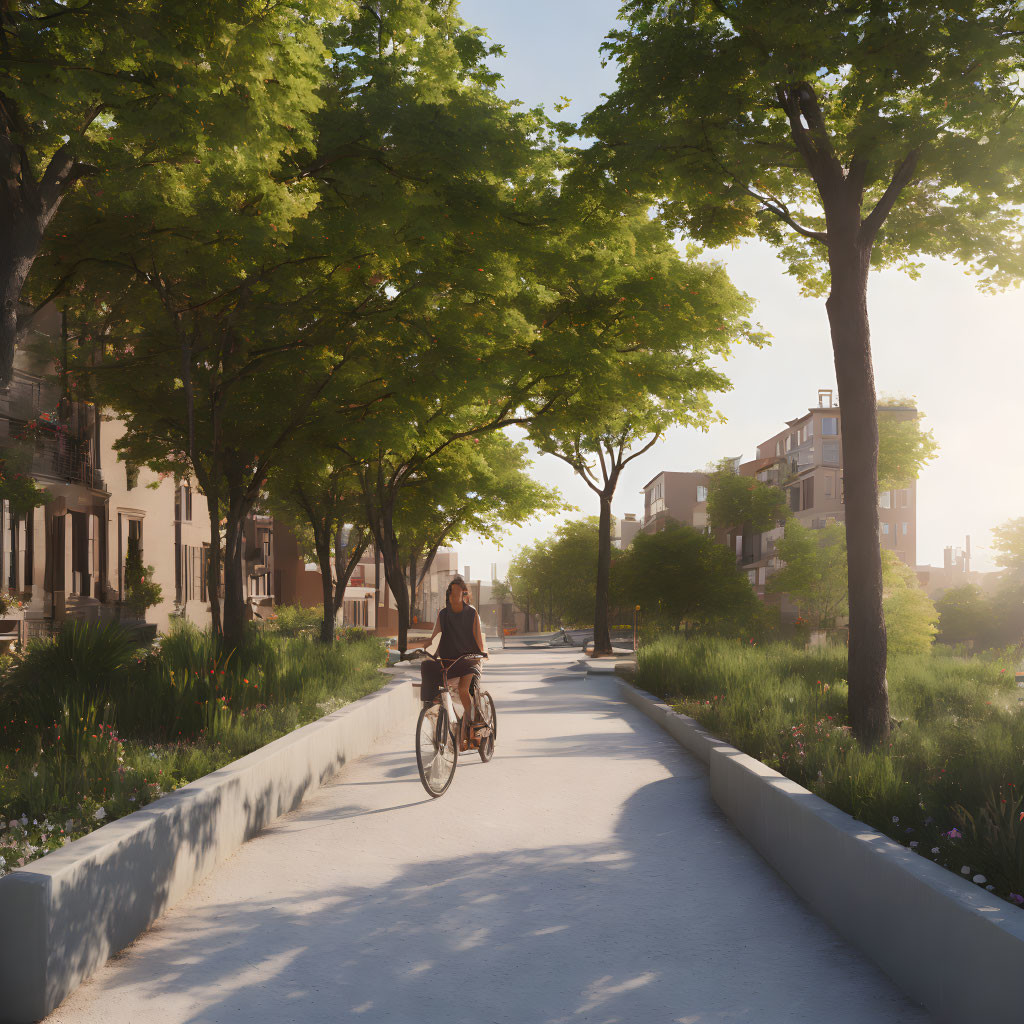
[457, 632]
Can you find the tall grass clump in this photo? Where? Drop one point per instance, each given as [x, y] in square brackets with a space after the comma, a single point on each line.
[92, 727]
[950, 782]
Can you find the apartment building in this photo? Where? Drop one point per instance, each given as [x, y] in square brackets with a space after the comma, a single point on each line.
[806, 460]
[675, 497]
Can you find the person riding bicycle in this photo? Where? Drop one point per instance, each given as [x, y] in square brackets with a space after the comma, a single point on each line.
[461, 643]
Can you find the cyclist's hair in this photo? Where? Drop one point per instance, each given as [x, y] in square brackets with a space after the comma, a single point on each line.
[456, 581]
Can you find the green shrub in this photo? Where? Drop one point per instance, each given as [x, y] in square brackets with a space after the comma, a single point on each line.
[92, 728]
[296, 620]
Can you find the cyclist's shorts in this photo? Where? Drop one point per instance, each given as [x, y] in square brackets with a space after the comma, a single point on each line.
[430, 675]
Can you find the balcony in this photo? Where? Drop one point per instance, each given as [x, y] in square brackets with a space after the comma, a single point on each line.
[63, 457]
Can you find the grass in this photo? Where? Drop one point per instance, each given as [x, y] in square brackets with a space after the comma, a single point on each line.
[92, 729]
[950, 783]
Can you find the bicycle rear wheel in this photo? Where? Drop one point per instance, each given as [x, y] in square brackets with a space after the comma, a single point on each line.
[490, 719]
[437, 752]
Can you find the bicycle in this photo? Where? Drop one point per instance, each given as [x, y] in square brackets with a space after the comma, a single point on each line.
[439, 727]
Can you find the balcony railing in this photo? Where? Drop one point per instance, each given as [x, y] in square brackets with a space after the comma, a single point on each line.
[66, 458]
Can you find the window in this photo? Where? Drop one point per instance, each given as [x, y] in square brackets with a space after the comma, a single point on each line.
[903, 497]
[828, 485]
[808, 495]
[803, 434]
[885, 499]
[794, 499]
[903, 529]
[656, 492]
[183, 504]
[885, 529]
[204, 570]
[830, 453]
[702, 492]
[830, 425]
[789, 442]
[128, 529]
[810, 427]
[778, 448]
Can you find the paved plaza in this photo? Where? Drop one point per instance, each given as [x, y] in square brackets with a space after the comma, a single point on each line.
[584, 875]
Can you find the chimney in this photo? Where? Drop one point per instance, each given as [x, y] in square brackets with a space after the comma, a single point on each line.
[824, 393]
[947, 558]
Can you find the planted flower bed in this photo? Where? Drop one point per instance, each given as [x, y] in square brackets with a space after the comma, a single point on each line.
[950, 783]
[92, 729]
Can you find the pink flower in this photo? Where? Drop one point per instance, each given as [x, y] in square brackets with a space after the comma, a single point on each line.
[953, 833]
[1015, 897]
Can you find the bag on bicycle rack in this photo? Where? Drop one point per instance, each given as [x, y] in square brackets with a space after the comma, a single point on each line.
[430, 681]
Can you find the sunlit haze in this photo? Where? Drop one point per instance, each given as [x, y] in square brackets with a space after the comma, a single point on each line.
[956, 349]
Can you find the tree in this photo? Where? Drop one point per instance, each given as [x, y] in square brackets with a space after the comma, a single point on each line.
[478, 485]
[681, 576]
[848, 138]
[1008, 542]
[743, 503]
[664, 319]
[814, 574]
[559, 573]
[321, 502]
[966, 616]
[904, 446]
[125, 94]
[911, 618]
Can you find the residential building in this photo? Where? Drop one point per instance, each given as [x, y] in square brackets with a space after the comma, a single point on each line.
[628, 527]
[66, 558]
[806, 460]
[678, 497]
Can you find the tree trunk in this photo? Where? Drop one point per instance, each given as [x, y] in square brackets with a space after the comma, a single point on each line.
[213, 565]
[322, 542]
[394, 574]
[602, 636]
[234, 595]
[868, 700]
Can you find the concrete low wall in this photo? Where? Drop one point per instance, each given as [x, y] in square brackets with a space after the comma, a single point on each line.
[63, 915]
[944, 941]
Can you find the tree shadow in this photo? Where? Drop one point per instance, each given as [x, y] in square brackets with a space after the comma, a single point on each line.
[658, 923]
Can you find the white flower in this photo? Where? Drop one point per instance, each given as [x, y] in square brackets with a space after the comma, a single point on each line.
[24, 820]
[100, 813]
[990, 888]
[935, 849]
[913, 845]
[979, 879]
[3, 862]
[965, 870]
[895, 820]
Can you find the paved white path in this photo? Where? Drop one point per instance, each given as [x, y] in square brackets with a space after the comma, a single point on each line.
[584, 875]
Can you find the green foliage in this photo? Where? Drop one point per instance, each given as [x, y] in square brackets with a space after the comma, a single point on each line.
[814, 574]
[111, 729]
[744, 503]
[557, 576]
[969, 616]
[904, 446]
[814, 577]
[294, 620]
[794, 104]
[682, 577]
[16, 483]
[141, 591]
[910, 614]
[954, 758]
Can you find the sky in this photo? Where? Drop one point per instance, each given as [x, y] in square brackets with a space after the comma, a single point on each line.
[958, 351]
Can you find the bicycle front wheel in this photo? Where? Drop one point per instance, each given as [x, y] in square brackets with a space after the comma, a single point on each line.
[436, 749]
[490, 719]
